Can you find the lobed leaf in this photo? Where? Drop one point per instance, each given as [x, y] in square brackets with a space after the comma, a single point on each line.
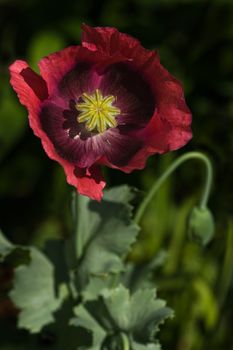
[84, 319]
[34, 293]
[105, 233]
[34, 288]
[138, 316]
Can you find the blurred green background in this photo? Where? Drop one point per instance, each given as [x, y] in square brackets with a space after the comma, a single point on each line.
[195, 43]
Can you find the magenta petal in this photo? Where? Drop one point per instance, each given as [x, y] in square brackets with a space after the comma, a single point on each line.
[133, 95]
[54, 67]
[119, 147]
[63, 130]
[83, 78]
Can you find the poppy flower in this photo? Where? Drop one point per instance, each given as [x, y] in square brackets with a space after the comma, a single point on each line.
[108, 102]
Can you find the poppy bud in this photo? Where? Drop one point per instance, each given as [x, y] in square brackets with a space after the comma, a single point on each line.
[201, 225]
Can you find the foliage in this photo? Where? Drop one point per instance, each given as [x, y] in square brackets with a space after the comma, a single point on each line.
[103, 235]
[33, 291]
[120, 318]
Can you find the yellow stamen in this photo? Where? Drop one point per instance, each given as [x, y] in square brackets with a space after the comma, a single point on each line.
[97, 111]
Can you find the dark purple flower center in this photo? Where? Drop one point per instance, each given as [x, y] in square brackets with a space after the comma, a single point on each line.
[95, 114]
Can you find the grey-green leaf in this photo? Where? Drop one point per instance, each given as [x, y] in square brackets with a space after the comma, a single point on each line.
[104, 235]
[138, 316]
[34, 293]
[140, 313]
[147, 313]
[97, 284]
[84, 319]
[34, 286]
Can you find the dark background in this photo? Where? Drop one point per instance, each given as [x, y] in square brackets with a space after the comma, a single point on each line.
[194, 40]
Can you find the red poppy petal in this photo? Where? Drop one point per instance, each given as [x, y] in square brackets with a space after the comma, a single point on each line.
[112, 43]
[90, 182]
[137, 162]
[170, 126]
[108, 40]
[29, 86]
[164, 136]
[55, 66]
[169, 129]
[28, 94]
[86, 181]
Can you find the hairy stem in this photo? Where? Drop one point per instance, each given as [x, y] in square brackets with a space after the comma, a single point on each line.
[208, 181]
[125, 341]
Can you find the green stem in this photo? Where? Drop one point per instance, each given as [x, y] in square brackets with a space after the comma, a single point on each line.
[77, 236]
[227, 269]
[125, 341]
[191, 155]
[72, 243]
